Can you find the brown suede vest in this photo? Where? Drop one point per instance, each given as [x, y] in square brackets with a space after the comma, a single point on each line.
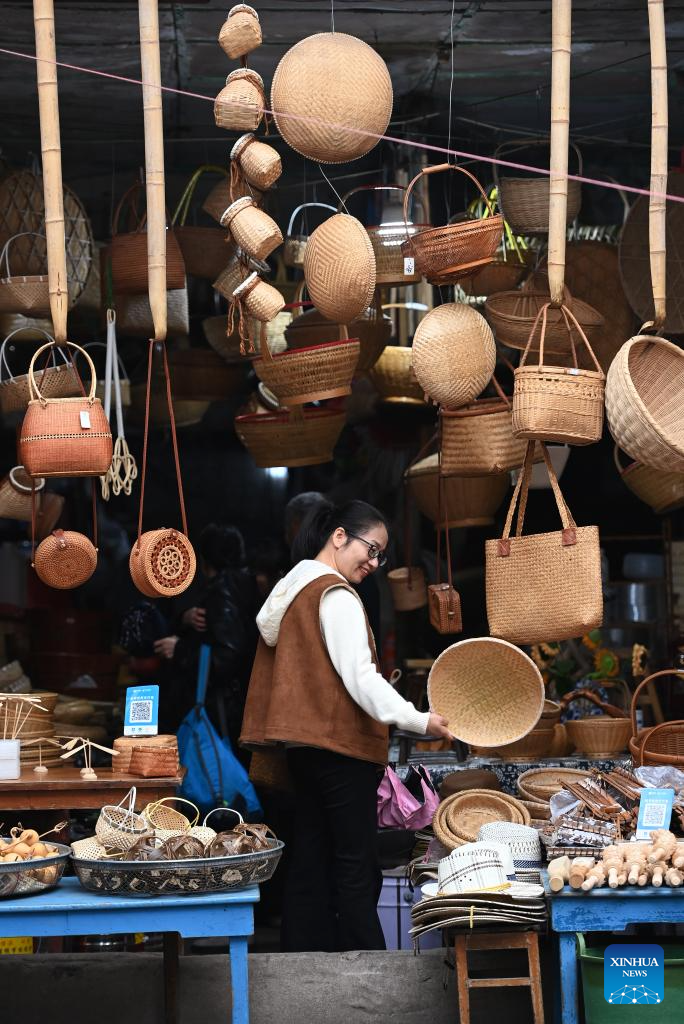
[296, 696]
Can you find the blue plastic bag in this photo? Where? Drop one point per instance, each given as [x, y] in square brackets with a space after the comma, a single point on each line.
[214, 776]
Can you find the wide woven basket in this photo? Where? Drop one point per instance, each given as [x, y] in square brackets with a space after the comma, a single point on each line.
[239, 106]
[339, 268]
[331, 97]
[512, 316]
[536, 744]
[524, 202]
[465, 813]
[478, 439]
[240, 32]
[644, 402]
[408, 588]
[599, 735]
[470, 501]
[15, 494]
[22, 293]
[454, 354]
[162, 563]
[446, 254]
[386, 239]
[501, 275]
[662, 490]
[282, 439]
[393, 378]
[373, 330]
[310, 374]
[541, 783]
[465, 685]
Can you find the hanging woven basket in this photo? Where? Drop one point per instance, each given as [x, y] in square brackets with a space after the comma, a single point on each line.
[240, 32]
[524, 202]
[373, 330]
[393, 377]
[22, 293]
[295, 241]
[311, 374]
[470, 501]
[453, 354]
[513, 315]
[286, 439]
[478, 439]
[659, 488]
[239, 107]
[15, 494]
[386, 239]
[256, 162]
[339, 268]
[256, 234]
[162, 563]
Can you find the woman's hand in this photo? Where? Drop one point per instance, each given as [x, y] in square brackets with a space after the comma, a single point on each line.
[166, 646]
[438, 726]
[196, 618]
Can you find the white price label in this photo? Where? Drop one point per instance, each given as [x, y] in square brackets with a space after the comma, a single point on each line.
[409, 266]
[85, 419]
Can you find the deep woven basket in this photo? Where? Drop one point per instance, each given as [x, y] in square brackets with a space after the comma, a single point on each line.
[373, 330]
[331, 97]
[512, 316]
[162, 563]
[310, 374]
[408, 588]
[599, 735]
[393, 378]
[15, 494]
[661, 744]
[259, 164]
[470, 501]
[478, 439]
[235, 271]
[453, 354]
[659, 488]
[644, 402]
[339, 268]
[464, 685]
[465, 813]
[240, 32]
[239, 106]
[279, 439]
[256, 234]
[524, 202]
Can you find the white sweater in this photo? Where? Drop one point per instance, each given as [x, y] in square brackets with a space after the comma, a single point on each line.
[343, 627]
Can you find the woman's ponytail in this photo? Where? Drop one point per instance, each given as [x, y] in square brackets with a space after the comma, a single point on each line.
[313, 534]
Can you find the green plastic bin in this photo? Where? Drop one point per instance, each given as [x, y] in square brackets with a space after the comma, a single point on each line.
[598, 1011]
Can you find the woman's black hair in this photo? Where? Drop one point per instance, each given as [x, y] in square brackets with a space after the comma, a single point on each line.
[321, 522]
[222, 547]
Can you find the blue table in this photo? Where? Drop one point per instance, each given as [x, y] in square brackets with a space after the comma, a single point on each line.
[603, 910]
[71, 910]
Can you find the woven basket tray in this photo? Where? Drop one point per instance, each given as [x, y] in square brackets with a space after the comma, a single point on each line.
[512, 316]
[540, 784]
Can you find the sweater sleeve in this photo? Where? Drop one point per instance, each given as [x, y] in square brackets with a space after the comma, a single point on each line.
[343, 625]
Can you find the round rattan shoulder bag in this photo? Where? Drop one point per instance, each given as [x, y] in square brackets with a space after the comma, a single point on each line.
[162, 562]
[65, 559]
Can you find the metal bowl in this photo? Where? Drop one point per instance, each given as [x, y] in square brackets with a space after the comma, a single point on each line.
[23, 878]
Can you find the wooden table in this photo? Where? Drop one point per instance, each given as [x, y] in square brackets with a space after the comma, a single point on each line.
[64, 789]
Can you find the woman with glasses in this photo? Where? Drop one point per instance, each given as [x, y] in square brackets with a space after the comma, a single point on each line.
[316, 690]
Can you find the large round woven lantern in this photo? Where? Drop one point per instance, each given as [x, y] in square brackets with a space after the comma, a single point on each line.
[454, 354]
[331, 97]
[339, 268]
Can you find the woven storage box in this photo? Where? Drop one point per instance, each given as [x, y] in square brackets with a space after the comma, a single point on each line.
[512, 316]
[282, 439]
[156, 762]
[239, 106]
[124, 746]
[644, 402]
[662, 490]
[257, 163]
[20, 293]
[470, 501]
[310, 374]
[162, 563]
[453, 354]
[331, 97]
[253, 231]
[373, 330]
[408, 588]
[446, 254]
[556, 403]
[339, 268]
[478, 439]
[15, 494]
[524, 202]
[240, 32]
[465, 685]
[599, 735]
[392, 376]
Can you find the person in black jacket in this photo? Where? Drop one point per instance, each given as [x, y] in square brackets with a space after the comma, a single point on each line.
[225, 619]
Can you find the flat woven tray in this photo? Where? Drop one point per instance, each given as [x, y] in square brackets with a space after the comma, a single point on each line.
[179, 877]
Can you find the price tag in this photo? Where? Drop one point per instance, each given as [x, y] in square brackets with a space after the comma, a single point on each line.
[141, 717]
[409, 266]
[21, 944]
[655, 811]
[85, 419]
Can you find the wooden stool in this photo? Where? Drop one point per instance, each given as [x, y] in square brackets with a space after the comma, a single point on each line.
[500, 940]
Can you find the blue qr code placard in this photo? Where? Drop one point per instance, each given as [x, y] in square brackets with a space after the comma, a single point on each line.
[142, 711]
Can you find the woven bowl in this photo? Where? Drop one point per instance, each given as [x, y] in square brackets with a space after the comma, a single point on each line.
[339, 268]
[470, 501]
[644, 402]
[465, 685]
[599, 735]
[511, 316]
[331, 97]
[662, 490]
[540, 784]
[454, 354]
[459, 818]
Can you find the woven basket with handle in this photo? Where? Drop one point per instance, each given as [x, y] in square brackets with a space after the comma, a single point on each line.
[205, 250]
[305, 438]
[512, 316]
[310, 374]
[446, 254]
[129, 251]
[255, 162]
[20, 293]
[478, 439]
[119, 826]
[295, 242]
[166, 821]
[58, 378]
[660, 744]
[525, 201]
[15, 494]
[386, 239]
[373, 329]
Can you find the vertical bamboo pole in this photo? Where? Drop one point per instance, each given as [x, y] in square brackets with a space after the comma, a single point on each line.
[46, 69]
[148, 16]
[657, 211]
[560, 133]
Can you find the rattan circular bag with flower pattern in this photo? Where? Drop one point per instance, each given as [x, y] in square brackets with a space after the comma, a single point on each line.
[162, 562]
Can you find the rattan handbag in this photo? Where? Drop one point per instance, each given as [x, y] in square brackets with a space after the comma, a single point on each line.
[446, 254]
[204, 249]
[65, 559]
[20, 293]
[339, 268]
[546, 586]
[15, 494]
[239, 106]
[58, 379]
[129, 251]
[240, 32]
[444, 602]
[162, 562]
[295, 243]
[558, 403]
[65, 436]
[386, 239]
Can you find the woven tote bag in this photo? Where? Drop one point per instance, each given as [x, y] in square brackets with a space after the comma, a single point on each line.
[129, 251]
[546, 586]
[65, 436]
[558, 403]
[58, 378]
[162, 562]
[21, 293]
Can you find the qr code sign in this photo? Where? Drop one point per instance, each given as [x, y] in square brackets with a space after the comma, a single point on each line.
[141, 711]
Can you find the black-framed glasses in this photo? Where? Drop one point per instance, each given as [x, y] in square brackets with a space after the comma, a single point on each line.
[373, 550]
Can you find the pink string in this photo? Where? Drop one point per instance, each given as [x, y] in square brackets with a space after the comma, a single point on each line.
[615, 185]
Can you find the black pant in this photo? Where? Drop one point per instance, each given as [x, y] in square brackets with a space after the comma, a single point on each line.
[334, 878]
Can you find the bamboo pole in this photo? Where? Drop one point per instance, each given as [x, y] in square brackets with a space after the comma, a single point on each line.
[657, 206]
[560, 134]
[46, 69]
[148, 16]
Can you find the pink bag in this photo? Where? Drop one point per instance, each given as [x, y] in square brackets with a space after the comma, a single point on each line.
[410, 804]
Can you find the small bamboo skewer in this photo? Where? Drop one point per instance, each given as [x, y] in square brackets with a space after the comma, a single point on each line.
[657, 208]
[561, 17]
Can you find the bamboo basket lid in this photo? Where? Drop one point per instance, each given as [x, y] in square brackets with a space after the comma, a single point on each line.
[465, 685]
[467, 812]
[635, 268]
